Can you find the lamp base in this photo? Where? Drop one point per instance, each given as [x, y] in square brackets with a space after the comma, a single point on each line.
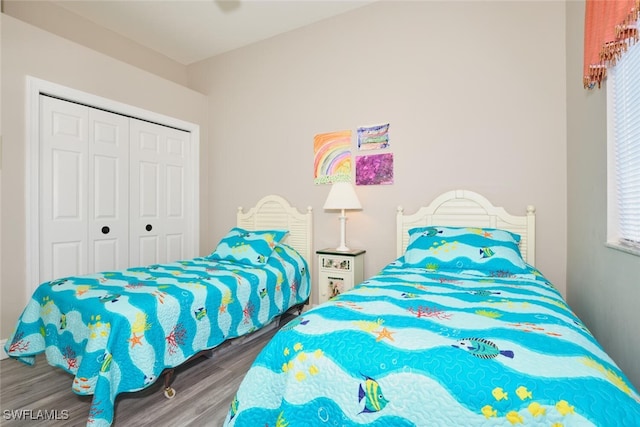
[343, 232]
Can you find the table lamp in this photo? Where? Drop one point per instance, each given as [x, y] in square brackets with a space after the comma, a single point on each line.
[342, 197]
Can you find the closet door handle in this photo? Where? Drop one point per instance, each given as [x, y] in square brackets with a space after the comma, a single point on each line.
[105, 230]
[148, 227]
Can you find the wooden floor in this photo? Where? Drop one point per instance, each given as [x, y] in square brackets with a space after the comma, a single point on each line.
[204, 390]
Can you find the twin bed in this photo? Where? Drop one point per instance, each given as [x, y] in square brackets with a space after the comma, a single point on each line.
[460, 330]
[119, 331]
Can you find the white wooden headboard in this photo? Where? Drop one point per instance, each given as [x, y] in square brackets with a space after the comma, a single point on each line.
[275, 212]
[464, 208]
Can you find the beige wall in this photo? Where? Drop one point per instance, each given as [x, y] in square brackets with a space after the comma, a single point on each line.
[27, 50]
[474, 93]
[57, 20]
[603, 284]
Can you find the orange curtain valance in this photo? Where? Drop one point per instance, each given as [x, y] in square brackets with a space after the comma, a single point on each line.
[609, 27]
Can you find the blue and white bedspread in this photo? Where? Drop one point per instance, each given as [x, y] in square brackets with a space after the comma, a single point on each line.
[411, 347]
[117, 331]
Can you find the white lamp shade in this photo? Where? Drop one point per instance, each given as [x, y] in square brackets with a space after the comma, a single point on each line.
[342, 196]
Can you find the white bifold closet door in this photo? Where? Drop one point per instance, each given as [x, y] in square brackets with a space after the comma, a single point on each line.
[159, 200]
[112, 191]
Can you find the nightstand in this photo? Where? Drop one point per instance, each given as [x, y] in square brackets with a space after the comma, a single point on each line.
[338, 271]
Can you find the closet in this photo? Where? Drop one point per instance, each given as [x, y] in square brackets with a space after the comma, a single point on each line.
[113, 191]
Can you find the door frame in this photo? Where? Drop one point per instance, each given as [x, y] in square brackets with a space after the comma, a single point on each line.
[36, 87]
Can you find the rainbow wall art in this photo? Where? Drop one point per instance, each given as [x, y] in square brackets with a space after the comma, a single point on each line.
[332, 157]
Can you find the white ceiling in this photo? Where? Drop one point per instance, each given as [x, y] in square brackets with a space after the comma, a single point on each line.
[188, 31]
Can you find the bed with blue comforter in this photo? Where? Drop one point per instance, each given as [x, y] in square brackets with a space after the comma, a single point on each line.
[118, 331]
[459, 331]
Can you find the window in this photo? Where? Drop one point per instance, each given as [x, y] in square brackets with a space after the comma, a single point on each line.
[623, 107]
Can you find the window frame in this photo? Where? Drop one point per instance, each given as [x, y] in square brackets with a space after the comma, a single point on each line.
[614, 239]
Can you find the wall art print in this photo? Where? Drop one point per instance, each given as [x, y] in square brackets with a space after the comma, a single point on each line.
[375, 169]
[374, 137]
[332, 157]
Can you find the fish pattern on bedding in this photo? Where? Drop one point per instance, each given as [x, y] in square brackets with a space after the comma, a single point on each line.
[411, 347]
[117, 331]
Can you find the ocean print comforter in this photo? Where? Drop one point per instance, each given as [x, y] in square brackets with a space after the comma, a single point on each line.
[411, 347]
[117, 331]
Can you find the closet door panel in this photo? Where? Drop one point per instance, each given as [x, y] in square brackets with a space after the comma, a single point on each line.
[147, 182]
[159, 223]
[63, 191]
[159, 159]
[109, 184]
[175, 247]
[67, 259]
[175, 193]
[146, 226]
[149, 249]
[177, 197]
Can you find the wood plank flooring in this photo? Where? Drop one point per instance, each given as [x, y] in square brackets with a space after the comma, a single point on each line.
[204, 390]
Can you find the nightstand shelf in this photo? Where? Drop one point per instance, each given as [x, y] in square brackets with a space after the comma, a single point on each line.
[338, 271]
